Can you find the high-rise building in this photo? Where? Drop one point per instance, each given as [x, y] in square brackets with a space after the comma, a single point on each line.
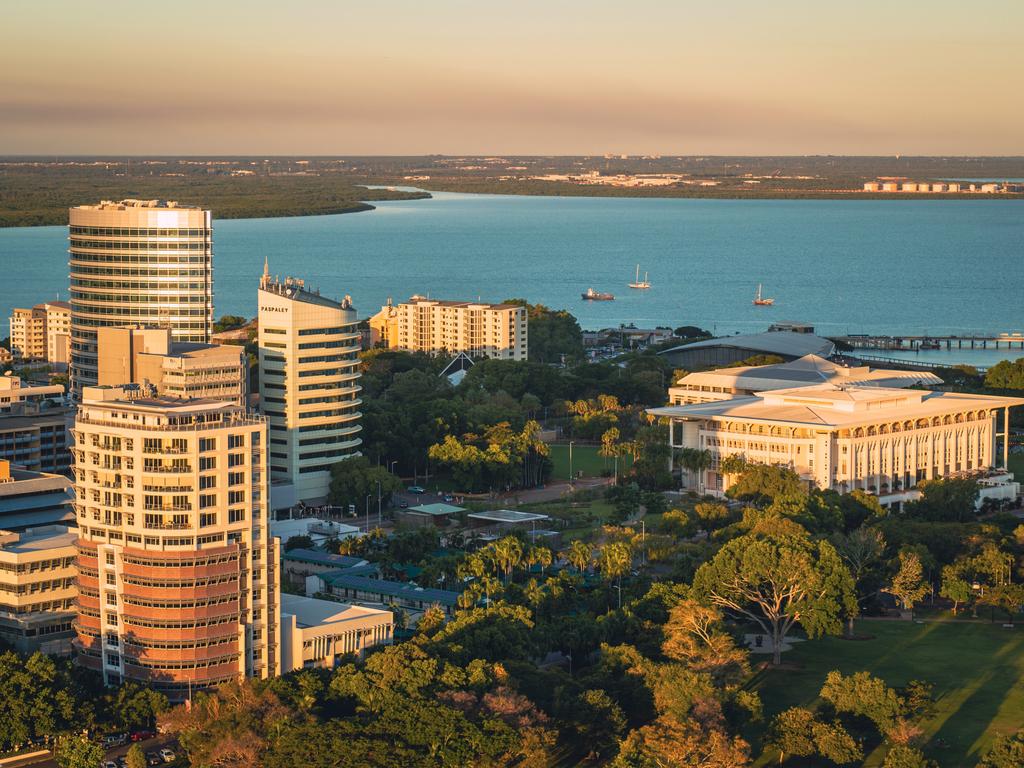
[28, 333]
[309, 383]
[149, 357]
[178, 575]
[428, 325]
[137, 262]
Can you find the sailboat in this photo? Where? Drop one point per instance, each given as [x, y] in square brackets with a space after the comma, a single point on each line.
[761, 301]
[638, 283]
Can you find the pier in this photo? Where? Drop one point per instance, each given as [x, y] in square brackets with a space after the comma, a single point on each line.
[918, 343]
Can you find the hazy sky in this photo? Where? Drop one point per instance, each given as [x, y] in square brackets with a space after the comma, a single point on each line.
[489, 76]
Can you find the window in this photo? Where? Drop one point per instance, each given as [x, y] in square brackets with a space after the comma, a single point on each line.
[236, 459]
[111, 579]
[235, 441]
[207, 481]
[236, 515]
[207, 462]
[110, 558]
[111, 598]
[236, 478]
[207, 519]
[236, 497]
[207, 500]
[207, 444]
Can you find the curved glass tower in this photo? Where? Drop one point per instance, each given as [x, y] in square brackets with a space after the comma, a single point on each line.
[137, 262]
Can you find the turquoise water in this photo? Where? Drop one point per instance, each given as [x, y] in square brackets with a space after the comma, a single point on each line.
[914, 266]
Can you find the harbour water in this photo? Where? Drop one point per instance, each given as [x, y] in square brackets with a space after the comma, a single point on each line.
[913, 266]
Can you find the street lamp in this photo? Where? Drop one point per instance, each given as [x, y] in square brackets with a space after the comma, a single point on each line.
[618, 587]
[392, 464]
[368, 497]
[570, 463]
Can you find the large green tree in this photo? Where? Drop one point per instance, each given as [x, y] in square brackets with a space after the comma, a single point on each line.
[352, 480]
[551, 334]
[777, 577]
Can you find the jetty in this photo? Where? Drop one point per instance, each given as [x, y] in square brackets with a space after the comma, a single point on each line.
[912, 343]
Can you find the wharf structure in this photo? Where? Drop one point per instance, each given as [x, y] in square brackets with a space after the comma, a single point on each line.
[433, 326]
[134, 262]
[843, 437]
[309, 383]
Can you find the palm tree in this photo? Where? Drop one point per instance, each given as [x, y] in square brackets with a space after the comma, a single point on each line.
[578, 555]
[694, 461]
[544, 558]
[615, 560]
[508, 553]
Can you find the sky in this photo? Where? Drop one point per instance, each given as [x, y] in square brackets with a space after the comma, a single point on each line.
[411, 77]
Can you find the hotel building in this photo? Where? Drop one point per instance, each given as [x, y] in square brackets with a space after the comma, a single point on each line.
[42, 333]
[178, 575]
[137, 262]
[150, 357]
[37, 589]
[841, 437]
[450, 327]
[309, 383]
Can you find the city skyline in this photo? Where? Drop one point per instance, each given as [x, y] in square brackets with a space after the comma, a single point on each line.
[791, 78]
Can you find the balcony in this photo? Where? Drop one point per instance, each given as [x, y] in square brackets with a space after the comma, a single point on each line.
[179, 469]
[168, 508]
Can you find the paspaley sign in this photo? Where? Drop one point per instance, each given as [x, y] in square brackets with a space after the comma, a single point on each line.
[273, 309]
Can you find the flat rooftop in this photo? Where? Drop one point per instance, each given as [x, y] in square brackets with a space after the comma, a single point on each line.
[24, 481]
[458, 304]
[310, 612]
[316, 557]
[436, 510]
[124, 205]
[41, 539]
[507, 516]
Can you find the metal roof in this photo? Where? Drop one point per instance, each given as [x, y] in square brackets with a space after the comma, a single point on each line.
[390, 588]
[323, 558]
[770, 342]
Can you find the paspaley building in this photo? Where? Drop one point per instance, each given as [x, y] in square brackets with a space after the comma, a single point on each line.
[177, 573]
[137, 262]
[309, 383]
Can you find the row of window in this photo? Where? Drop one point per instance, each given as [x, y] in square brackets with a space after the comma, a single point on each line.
[176, 271]
[144, 298]
[78, 258]
[76, 229]
[138, 245]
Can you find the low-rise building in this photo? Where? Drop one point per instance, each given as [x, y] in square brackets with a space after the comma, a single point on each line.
[436, 327]
[321, 633]
[316, 529]
[33, 499]
[37, 588]
[36, 439]
[13, 391]
[149, 357]
[844, 437]
[427, 514]
[365, 589]
[498, 521]
[810, 370]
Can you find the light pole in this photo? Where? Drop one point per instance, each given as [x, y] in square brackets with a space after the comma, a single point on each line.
[368, 497]
[378, 505]
[570, 463]
[619, 587]
[392, 464]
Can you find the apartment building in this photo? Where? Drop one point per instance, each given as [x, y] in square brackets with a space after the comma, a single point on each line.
[178, 575]
[150, 357]
[135, 262]
[37, 589]
[442, 327]
[42, 332]
[36, 439]
[309, 383]
[879, 439]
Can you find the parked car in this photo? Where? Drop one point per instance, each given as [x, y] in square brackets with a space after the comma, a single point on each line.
[115, 740]
[142, 735]
[448, 498]
[416, 489]
[110, 764]
[167, 755]
[403, 504]
[153, 758]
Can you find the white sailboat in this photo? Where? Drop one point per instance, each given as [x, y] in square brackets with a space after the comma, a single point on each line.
[638, 283]
[761, 301]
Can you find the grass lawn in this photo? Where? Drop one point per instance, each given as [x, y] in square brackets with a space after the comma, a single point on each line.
[584, 459]
[977, 671]
[1016, 465]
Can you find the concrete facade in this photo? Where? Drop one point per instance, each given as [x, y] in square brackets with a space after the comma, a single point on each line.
[14, 391]
[880, 440]
[309, 383]
[178, 576]
[150, 356]
[37, 589]
[321, 633]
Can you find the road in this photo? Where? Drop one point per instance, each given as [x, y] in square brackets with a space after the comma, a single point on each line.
[149, 745]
